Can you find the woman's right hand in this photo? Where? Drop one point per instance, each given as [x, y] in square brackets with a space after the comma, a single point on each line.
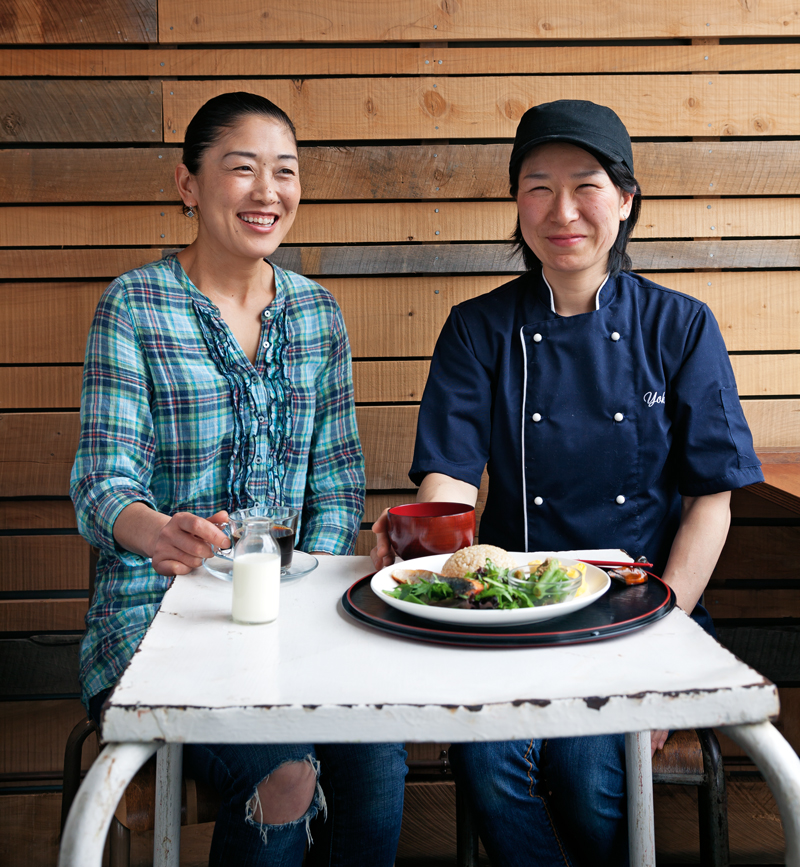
[185, 541]
[382, 554]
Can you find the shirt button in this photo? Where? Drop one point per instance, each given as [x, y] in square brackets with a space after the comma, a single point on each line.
[618, 416]
[536, 417]
[615, 336]
[265, 344]
[261, 419]
[537, 338]
[267, 314]
[538, 501]
[258, 461]
[620, 499]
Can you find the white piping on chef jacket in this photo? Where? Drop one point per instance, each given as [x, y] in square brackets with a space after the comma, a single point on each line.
[525, 394]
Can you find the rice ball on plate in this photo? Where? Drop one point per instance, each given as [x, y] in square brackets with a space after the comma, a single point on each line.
[473, 558]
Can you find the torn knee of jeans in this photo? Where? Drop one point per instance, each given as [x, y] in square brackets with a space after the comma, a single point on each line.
[253, 806]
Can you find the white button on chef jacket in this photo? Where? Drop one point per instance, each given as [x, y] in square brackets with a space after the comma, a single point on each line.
[620, 499]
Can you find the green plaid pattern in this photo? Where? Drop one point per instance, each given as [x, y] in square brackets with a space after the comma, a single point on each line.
[174, 414]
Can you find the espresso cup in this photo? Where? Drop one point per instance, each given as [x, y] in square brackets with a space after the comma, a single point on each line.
[283, 529]
[420, 529]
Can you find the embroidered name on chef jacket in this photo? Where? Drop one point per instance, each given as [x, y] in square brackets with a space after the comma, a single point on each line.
[653, 397]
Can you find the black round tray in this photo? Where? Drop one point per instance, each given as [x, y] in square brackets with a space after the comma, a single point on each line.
[621, 610]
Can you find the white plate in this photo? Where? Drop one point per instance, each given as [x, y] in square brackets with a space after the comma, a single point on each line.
[597, 580]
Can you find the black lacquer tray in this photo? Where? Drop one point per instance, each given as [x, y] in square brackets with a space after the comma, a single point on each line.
[621, 610]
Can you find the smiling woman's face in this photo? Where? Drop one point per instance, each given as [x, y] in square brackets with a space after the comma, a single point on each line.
[247, 190]
[569, 210]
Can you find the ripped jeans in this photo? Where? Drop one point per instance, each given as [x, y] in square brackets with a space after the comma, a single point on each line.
[359, 786]
[548, 803]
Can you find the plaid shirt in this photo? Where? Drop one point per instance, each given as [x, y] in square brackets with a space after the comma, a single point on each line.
[174, 414]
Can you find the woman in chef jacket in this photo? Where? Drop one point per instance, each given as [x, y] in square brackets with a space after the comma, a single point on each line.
[605, 410]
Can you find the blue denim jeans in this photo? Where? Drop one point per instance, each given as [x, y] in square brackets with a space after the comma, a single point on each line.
[354, 817]
[359, 798]
[548, 802]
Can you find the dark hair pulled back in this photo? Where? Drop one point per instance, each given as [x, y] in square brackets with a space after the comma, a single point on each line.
[621, 177]
[221, 113]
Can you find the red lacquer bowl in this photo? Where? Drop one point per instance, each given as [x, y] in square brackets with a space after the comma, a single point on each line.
[420, 529]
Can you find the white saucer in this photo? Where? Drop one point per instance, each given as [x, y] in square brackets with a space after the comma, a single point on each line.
[302, 564]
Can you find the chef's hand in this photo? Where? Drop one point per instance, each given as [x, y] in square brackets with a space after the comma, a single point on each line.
[185, 541]
[382, 554]
[657, 741]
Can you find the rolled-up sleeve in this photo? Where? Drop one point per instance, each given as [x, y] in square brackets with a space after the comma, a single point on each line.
[334, 500]
[712, 441]
[454, 427]
[113, 464]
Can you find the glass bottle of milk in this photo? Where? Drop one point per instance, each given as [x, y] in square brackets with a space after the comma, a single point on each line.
[256, 574]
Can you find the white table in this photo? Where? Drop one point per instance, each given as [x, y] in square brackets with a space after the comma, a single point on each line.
[315, 675]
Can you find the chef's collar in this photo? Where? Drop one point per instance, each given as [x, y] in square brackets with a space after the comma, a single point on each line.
[553, 300]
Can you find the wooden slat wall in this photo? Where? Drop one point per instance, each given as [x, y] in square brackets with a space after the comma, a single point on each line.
[405, 126]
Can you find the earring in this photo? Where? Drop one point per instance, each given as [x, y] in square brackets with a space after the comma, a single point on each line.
[190, 212]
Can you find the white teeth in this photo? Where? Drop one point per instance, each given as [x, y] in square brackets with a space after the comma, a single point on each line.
[262, 221]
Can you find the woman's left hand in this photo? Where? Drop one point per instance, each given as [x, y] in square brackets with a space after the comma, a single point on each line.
[657, 741]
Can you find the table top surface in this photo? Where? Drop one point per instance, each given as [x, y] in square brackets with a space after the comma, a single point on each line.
[317, 675]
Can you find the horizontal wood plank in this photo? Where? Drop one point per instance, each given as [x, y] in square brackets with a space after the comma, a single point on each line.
[298, 62]
[64, 264]
[782, 485]
[190, 21]
[758, 553]
[384, 222]
[37, 515]
[762, 375]
[389, 381]
[451, 171]
[36, 563]
[45, 323]
[80, 21]
[37, 451]
[44, 665]
[761, 104]
[724, 602]
[41, 387]
[355, 260]
[35, 734]
[42, 615]
[772, 650]
[79, 111]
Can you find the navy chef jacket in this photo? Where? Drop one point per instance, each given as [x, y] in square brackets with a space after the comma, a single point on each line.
[591, 426]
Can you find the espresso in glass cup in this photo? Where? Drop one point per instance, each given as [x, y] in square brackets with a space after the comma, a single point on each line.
[283, 521]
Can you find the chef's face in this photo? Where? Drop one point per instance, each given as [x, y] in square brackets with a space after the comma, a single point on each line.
[569, 210]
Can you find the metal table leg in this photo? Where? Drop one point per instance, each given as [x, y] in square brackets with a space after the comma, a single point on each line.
[167, 837]
[639, 769]
[93, 808]
[780, 765]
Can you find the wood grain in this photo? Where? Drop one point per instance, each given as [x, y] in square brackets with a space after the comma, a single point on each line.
[42, 615]
[782, 485]
[65, 264]
[773, 423]
[389, 381]
[767, 375]
[46, 323]
[37, 515]
[746, 504]
[299, 62]
[758, 553]
[79, 111]
[373, 172]
[384, 222]
[35, 733]
[43, 563]
[724, 602]
[184, 21]
[66, 21]
[354, 260]
[37, 451]
[387, 438]
[760, 104]
[40, 387]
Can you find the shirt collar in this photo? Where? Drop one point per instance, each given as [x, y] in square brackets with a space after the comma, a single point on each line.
[552, 299]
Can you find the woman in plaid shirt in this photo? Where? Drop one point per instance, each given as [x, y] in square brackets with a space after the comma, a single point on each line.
[215, 381]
